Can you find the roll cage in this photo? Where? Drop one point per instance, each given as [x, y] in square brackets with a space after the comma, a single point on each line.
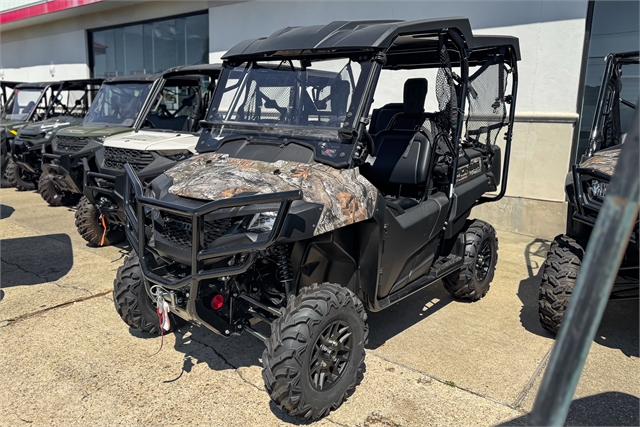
[605, 130]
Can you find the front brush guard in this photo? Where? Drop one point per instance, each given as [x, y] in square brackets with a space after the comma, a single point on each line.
[134, 208]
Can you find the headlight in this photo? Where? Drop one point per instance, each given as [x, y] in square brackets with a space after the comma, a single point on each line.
[262, 222]
[13, 131]
[175, 155]
[598, 188]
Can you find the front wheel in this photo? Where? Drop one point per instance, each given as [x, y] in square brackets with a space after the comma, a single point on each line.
[559, 274]
[51, 194]
[472, 281]
[132, 302]
[316, 351]
[94, 228]
[17, 177]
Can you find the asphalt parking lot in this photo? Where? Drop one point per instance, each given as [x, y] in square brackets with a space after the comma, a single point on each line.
[68, 359]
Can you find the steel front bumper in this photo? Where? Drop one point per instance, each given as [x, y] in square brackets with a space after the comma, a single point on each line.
[137, 205]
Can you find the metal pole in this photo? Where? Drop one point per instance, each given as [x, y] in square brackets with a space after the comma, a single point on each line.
[607, 245]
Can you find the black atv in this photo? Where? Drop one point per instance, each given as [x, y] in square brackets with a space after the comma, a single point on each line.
[22, 103]
[586, 188]
[67, 107]
[302, 210]
[171, 124]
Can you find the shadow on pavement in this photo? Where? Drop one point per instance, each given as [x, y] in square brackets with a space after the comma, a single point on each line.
[619, 325]
[603, 409]
[5, 211]
[35, 260]
[529, 287]
[390, 322]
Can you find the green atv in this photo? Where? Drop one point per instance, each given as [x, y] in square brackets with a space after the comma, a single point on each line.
[67, 107]
[116, 109]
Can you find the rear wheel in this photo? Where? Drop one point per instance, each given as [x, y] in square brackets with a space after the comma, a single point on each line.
[472, 281]
[17, 177]
[559, 274]
[51, 194]
[316, 351]
[95, 229]
[132, 302]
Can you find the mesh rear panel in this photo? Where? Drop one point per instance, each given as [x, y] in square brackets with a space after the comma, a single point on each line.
[487, 106]
[115, 158]
[177, 229]
[71, 144]
[446, 94]
[254, 108]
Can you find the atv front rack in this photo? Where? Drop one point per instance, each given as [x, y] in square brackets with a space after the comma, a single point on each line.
[135, 231]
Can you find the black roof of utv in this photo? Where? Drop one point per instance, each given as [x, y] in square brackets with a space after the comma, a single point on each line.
[353, 36]
[183, 70]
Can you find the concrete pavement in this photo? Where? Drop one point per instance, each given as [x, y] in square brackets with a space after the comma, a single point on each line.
[68, 359]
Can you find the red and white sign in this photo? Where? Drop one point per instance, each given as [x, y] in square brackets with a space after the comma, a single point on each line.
[50, 6]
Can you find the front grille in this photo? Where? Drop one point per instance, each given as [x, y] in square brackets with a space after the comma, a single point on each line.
[177, 229]
[29, 137]
[115, 158]
[71, 144]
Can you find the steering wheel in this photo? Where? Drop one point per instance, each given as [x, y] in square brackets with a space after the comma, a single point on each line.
[147, 121]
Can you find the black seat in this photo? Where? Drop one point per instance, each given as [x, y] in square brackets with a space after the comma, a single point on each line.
[403, 151]
[409, 115]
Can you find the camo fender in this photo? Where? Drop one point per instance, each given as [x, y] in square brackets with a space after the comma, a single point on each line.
[346, 196]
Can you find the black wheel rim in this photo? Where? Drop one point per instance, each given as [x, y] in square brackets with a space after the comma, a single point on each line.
[331, 355]
[483, 261]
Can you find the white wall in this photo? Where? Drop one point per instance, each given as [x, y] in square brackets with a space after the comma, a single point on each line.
[551, 34]
[33, 59]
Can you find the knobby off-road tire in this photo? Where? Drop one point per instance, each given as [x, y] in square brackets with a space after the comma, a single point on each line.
[90, 227]
[15, 178]
[132, 302]
[326, 315]
[51, 194]
[559, 273]
[472, 281]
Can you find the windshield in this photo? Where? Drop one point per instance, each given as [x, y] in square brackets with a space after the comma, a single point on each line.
[293, 98]
[23, 103]
[118, 104]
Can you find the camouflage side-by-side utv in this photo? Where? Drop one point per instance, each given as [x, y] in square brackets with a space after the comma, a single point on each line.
[67, 107]
[586, 188]
[22, 103]
[304, 206]
[116, 109]
[170, 135]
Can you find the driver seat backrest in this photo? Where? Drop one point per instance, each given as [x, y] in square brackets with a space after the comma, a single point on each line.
[403, 159]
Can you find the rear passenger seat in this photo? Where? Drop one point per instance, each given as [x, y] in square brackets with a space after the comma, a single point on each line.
[409, 115]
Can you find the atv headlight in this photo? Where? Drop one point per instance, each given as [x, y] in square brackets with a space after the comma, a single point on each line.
[262, 222]
[598, 188]
[13, 131]
[175, 155]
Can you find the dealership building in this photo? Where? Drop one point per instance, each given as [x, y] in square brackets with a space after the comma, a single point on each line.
[562, 44]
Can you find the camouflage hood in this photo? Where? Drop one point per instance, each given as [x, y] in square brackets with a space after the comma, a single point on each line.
[603, 161]
[346, 196]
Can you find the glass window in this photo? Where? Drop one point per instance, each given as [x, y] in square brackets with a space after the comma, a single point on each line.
[151, 47]
[614, 29]
[118, 104]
